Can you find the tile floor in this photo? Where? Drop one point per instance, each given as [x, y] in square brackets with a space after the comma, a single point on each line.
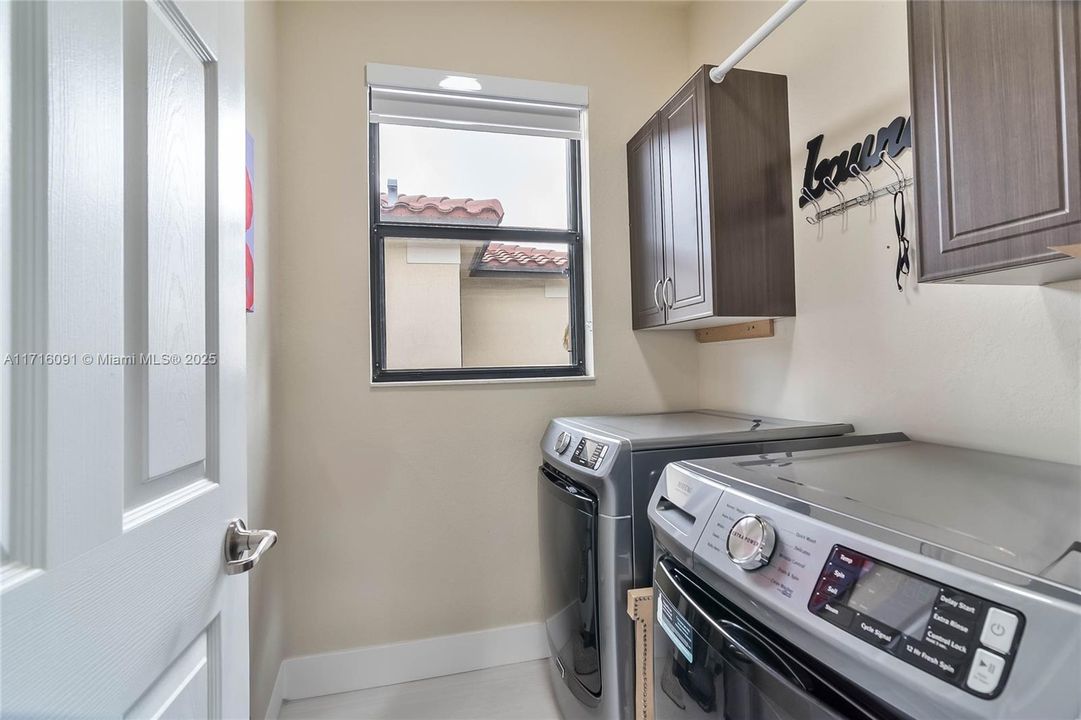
[509, 692]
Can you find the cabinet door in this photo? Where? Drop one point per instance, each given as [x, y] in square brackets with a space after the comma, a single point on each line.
[685, 193]
[647, 253]
[995, 115]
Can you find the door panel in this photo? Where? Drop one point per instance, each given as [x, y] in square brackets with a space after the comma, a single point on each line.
[647, 251]
[995, 115]
[169, 101]
[685, 188]
[568, 538]
[126, 466]
[176, 120]
[183, 690]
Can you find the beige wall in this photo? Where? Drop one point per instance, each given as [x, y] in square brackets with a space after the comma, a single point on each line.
[513, 321]
[424, 307]
[381, 530]
[987, 367]
[266, 596]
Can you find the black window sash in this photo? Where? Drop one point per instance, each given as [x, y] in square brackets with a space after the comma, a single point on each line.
[381, 230]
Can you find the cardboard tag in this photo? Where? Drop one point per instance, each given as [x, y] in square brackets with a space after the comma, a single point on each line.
[640, 608]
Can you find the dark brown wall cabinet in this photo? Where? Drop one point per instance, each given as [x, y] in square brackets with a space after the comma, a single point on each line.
[997, 140]
[710, 205]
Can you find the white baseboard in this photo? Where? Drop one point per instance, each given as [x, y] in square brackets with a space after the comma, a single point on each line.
[367, 667]
[274, 707]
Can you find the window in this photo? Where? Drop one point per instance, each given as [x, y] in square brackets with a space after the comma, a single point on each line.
[476, 217]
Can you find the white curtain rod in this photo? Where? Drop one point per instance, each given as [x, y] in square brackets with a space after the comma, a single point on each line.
[717, 74]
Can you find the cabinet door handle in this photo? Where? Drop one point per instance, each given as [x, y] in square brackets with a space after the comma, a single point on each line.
[669, 301]
[656, 295]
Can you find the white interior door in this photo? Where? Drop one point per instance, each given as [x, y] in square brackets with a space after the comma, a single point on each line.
[123, 453]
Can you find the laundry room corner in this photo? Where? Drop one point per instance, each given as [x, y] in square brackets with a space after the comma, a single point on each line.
[988, 367]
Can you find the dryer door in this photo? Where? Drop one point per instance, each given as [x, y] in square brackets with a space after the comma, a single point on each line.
[713, 661]
[568, 540]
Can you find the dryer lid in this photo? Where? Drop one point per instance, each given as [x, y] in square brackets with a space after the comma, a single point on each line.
[1013, 511]
[702, 427]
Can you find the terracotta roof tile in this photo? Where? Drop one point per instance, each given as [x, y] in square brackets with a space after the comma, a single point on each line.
[501, 257]
[428, 208]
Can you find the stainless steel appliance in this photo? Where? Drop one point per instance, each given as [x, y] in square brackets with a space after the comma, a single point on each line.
[594, 486]
[887, 579]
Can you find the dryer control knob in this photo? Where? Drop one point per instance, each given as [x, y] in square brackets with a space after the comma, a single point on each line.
[563, 441]
[750, 542]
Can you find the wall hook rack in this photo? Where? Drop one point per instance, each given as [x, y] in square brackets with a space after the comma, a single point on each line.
[865, 198]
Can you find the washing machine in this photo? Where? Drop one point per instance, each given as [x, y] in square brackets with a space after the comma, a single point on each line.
[594, 484]
[890, 579]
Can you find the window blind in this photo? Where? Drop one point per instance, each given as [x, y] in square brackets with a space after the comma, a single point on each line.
[411, 96]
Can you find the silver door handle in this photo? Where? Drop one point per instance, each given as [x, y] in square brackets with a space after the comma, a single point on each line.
[668, 284]
[657, 298]
[244, 547]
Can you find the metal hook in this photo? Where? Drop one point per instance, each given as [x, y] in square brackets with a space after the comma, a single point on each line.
[832, 187]
[805, 193]
[869, 196]
[897, 171]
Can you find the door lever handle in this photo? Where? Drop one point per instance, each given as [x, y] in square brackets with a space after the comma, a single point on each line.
[244, 547]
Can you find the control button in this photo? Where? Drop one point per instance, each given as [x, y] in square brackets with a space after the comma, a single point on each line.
[750, 542]
[837, 614]
[563, 442]
[831, 589]
[998, 630]
[947, 642]
[846, 558]
[873, 631]
[942, 620]
[840, 574]
[986, 672]
[928, 658]
[958, 603]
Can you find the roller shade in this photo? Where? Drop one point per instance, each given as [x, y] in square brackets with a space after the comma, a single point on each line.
[412, 96]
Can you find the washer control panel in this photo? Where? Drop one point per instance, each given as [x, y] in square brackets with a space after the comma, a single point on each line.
[959, 638]
[589, 453]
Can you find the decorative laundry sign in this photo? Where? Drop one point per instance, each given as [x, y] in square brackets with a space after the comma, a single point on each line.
[892, 138]
[675, 626]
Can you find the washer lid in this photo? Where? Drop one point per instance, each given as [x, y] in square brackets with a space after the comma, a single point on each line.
[702, 427]
[1016, 512]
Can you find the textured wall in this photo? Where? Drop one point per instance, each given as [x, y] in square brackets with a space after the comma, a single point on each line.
[987, 367]
[411, 512]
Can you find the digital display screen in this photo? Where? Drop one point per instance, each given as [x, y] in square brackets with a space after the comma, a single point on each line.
[589, 447]
[902, 601]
